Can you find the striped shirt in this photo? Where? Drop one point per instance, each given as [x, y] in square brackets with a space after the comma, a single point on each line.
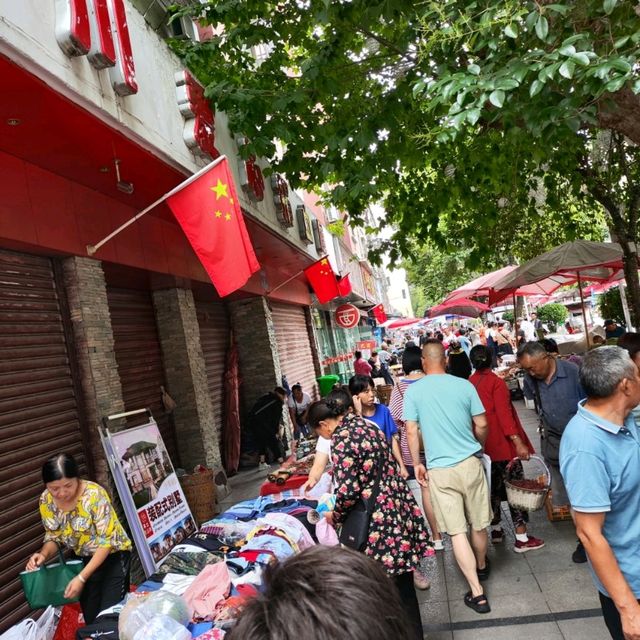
[396, 406]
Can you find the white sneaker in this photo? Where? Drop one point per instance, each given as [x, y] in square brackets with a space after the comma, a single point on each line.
[438, 545]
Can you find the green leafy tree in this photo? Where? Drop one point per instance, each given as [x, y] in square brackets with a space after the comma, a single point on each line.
[610, 305]
[506, 120]
[553, 314]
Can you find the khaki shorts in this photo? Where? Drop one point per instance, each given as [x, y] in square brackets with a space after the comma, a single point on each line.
[460, 497]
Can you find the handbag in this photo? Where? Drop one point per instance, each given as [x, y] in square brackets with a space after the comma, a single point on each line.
[355, 528]
[46, 585]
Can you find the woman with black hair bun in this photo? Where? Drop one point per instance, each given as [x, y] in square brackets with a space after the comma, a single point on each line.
[78, 514]
[506, 440]
[397, 537]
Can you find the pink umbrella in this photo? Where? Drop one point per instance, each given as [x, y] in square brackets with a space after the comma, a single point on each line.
[458, 307]
[401, 322]
[484, 286]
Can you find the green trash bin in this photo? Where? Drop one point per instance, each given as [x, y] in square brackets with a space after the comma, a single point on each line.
[326, 383]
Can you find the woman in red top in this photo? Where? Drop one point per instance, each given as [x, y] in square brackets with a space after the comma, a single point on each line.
[506, 440]
[360, 365]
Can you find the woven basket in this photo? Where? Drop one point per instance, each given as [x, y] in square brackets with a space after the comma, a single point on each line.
[528, 499]
[384, 393]
[200, 492]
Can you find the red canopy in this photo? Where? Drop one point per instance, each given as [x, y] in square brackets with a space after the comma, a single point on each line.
[459, 307]
[401, 322]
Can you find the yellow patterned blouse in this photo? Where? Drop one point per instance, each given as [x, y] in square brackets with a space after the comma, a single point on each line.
[91, 525]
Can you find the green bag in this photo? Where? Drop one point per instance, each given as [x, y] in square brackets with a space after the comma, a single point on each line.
[46, 585]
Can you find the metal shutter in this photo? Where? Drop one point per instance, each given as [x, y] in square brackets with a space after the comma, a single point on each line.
[214, 337]
[38, 414]
[294, 348]
[139, 358]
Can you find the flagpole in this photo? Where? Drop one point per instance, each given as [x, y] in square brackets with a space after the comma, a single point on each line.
[92, 248]
[283, 284]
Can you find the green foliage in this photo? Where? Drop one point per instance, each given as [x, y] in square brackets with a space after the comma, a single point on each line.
[610, 305]
[553, 314]
[507, 316]
[483, 127]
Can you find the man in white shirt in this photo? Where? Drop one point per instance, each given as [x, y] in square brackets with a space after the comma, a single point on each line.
[298, 404]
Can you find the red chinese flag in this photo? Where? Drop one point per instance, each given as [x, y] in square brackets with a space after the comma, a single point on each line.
[344, 286]
[209, 213]
[379, 313]
[323, 281]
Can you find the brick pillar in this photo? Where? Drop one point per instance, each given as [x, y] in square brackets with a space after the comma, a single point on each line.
[260, 370]
[195, 417]
[86, 293]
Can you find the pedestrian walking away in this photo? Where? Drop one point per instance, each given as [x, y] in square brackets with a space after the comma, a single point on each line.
[444, 408]
[506, 440]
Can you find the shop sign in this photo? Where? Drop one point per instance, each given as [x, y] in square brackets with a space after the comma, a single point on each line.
[251, 178]
[347, 316]
[199, 125]
[304, 224]
[153, 500]
[98, 29]
[280, 190]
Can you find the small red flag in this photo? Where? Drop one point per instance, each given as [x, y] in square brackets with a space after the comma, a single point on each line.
[323, 280]
[209, 213]
[344, 286]
[379, 313]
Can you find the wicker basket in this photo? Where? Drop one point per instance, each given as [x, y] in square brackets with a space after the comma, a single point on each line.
[524, 498]
[200, 492]
[383, 392]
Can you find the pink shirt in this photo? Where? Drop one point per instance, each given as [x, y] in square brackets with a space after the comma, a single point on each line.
[362, 367]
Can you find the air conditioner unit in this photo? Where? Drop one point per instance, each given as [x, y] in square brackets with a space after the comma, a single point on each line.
[304, 224]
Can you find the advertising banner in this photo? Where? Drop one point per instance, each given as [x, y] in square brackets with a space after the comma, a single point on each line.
[153, 500]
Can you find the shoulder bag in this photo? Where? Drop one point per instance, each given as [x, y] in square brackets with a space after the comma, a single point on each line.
[355, 528]
[46, 585]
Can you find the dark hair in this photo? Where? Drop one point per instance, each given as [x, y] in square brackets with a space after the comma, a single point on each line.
[459, 365]
[357, 355]
[62, 465]
[359, 383]
[550, 345]
[439, 337]
[344, 594]
[412, 359]
[631, 342]
[281, 391]
[462, 331]
[481, 357]
[335, 404]
[374, 354]
[296, 387]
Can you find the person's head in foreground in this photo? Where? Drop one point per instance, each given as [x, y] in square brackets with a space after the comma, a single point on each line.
[609, 374]
[324, 593]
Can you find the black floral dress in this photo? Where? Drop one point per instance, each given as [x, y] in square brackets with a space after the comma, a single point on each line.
[397, 536]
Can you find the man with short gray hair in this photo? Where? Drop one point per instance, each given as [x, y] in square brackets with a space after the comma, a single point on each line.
[555, 386]
[600, 463]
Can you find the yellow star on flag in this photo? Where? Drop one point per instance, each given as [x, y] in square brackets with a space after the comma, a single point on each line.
[227, 217]
[218, 214]
[220, 190]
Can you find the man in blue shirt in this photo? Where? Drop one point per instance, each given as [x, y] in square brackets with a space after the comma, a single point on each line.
[600, 462]
[555, 386]
[447, 409]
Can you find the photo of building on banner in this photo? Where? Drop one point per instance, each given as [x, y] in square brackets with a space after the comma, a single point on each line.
[153, 500]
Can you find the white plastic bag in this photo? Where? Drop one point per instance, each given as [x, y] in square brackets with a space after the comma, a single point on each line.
[25, 630]
[162, 628]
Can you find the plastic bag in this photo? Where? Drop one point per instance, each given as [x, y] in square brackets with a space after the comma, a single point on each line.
[138, 612]
[162, 628]
[29, 629]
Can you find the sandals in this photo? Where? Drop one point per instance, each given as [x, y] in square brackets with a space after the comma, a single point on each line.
[479, 604]
[483, 574]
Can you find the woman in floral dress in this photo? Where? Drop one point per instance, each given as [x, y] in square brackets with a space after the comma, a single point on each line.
[397, 537]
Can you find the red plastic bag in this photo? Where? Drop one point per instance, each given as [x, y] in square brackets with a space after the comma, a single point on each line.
[70, 621]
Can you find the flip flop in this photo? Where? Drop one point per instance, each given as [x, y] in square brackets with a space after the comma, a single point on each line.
[479, 604]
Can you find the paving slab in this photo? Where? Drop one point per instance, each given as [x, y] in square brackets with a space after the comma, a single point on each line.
[568, 590]
[539, 631]
[584, 629]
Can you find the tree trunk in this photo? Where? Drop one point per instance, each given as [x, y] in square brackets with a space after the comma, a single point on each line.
[630, 265]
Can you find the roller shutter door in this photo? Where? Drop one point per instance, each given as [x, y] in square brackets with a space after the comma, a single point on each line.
[214, 337]
[139, 358]
[38, 414]
[294, 348]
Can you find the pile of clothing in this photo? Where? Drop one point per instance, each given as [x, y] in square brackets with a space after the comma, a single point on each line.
[215, 571]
